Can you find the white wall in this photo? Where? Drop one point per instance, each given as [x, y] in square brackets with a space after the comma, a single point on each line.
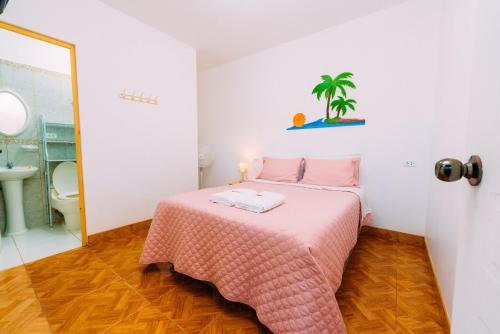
[245, 106]
[29, 51]
[133, 154]
[446, 210]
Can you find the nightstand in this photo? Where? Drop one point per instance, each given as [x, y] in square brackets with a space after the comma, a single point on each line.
[232, 183]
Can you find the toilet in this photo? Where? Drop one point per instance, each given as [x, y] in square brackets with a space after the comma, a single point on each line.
[64, 194]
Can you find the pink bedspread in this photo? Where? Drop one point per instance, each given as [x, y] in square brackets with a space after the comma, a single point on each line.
[287, 263]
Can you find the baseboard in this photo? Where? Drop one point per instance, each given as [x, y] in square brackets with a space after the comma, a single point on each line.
[443, 304]
[125, 230]
[396, 236]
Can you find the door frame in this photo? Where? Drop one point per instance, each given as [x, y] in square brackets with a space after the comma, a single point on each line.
[74, 81]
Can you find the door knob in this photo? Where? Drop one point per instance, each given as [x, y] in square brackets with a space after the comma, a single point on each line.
[449, 170]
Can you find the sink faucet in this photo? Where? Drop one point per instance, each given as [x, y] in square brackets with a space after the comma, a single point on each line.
[9, 164]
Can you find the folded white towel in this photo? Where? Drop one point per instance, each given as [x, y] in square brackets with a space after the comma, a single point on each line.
[229, 197]
[260, 202]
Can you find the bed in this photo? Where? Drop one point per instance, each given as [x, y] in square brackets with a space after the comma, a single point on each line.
[286, 263]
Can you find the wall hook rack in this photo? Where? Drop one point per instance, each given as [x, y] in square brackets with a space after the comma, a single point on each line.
[138, 98]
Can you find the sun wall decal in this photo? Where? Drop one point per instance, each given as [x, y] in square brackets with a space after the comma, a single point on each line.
[299, 120]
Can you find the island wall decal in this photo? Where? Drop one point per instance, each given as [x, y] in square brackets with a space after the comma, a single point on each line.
[334, 90]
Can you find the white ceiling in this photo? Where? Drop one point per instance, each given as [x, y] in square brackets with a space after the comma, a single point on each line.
[225, 30]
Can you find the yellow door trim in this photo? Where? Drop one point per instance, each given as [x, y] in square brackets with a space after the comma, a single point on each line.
[78, 142]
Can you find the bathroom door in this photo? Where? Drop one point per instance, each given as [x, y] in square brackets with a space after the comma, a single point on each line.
[41, 72]
[477, 301]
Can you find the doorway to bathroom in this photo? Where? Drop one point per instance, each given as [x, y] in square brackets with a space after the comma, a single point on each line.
[41, 184]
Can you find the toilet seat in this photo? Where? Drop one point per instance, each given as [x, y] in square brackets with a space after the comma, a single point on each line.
[64, 195]
[65, 180]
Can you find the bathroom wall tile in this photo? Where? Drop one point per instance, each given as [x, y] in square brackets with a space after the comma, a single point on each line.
[22, 157]
[35, 210]
[13, 75]
[2, 213]
[11, 152]
[36, 216]
[2, 75]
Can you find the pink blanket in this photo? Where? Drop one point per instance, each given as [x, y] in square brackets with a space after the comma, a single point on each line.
[287, 263]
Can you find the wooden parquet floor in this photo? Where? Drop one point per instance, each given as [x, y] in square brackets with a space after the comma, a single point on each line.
[388, 287]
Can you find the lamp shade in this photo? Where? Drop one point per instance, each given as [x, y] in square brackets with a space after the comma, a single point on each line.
[242, 167]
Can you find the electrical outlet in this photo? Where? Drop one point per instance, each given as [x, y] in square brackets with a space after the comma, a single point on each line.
[410, 164]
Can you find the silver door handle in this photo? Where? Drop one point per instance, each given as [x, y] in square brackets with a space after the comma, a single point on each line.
[449, 170]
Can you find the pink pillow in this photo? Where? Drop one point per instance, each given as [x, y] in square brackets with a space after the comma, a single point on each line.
[281, 170]
[335, 173]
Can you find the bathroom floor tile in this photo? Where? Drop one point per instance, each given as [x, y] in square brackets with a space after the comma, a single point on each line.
[44, 233]
[77, 234]
[9, 256]
[40, 242]
[48, 249]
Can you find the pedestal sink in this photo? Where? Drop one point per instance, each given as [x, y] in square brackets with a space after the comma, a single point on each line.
[12, 187]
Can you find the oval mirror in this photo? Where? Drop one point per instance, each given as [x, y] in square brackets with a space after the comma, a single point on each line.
[14, 115]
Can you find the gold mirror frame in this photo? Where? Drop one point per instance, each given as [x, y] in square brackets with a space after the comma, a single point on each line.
[71, 47]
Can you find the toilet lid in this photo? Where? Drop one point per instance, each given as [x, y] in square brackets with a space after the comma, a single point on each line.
[65, 179]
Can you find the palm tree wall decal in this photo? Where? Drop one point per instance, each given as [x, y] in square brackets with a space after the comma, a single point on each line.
[334, 90]
[329, 86]
[340, 105]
